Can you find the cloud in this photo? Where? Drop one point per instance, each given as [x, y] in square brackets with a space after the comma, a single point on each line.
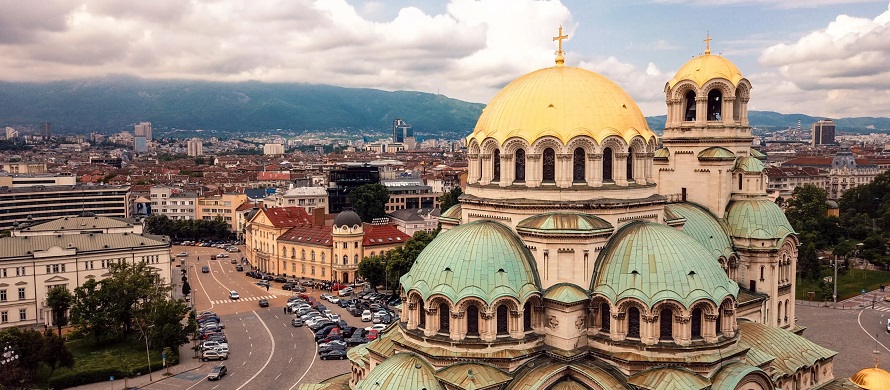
[835, 67]
[785, 4]
[467, 51]
[645, 86]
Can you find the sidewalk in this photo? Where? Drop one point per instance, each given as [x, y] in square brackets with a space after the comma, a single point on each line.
[855, 303]
[186, 363]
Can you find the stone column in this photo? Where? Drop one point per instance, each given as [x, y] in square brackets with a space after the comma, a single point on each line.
[515, 324]
[701, 110]
[412, 315]
[472, 168]
[709, 328]
[649, 329]
[533, 170]
[458, 326]
[728, 103]
[617, 326]
[743, 115]
[487, 326]
[620, 174]
[432, 322]
[508, 170]
[486, 169]
[683, 336]
[729, 321]
[564, 170]
[595, 161]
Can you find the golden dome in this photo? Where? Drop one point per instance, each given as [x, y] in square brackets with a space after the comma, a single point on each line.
[707, 67]
[563, 102]
[872, 379]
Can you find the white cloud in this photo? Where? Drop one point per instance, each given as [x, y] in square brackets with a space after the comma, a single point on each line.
[645, 86]
[840, 70]
[783, 4]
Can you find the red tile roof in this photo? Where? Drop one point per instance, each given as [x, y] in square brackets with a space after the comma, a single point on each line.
[245, 206]
[812, 161]
[308, 234]
[273, 176]
[287, 216]
[383, 235]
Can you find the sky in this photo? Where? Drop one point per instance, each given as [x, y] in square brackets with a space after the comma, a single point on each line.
[826, 58]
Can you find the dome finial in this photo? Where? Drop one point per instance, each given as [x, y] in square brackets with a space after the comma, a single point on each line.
[708, 43]
[560, 60]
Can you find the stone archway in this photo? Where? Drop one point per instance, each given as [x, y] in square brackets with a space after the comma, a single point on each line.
[345, 278]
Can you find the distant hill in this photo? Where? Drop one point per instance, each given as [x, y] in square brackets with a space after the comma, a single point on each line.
[775, 120]
[114, 103]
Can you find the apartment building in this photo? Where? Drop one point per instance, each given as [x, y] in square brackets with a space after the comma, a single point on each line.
[174, 202]
[37, 203]
[224, 206]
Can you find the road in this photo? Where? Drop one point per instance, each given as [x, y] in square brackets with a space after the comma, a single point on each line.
[266, 351]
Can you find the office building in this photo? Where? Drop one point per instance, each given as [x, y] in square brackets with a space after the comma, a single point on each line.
[823, 133]
[143, 129]
[344, 180]
[195, 147]
[273, 149]
[37, 203]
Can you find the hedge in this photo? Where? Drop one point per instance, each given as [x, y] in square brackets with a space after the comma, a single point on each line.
[87, 375]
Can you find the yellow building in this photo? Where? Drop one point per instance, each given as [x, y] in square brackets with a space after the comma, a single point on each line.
[263, 229]
[224, 206]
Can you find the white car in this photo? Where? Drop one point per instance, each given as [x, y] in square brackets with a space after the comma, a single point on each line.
[366, 316]
[345, 292]
[377, 327]
[222, 349]
[222, 255]
[334, 317]
[234, 295]
[334, 300]
[182, 254]
[214, 345]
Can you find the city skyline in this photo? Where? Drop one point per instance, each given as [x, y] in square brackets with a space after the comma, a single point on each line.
[812, 57]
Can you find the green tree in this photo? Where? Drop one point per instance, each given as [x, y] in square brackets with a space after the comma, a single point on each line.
[54, 353]
[91, 312]
[807, 213]
[874, 249]
[59, 299]
[450, 198]
[24, 357]
[808, 262]
[369, 201]
[373, 270]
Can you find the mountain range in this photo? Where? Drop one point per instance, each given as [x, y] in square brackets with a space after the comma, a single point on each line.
[114, 103]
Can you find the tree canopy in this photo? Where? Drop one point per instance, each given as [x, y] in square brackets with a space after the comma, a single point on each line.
[369, 201]
[26, 351]
[192, 229]
[806, 210]
[395, 263]
[450, 198]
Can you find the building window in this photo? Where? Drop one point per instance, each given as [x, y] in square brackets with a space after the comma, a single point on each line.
[313, 270]
[578, 165]
[323, 257]
[633, 322]
[715, 104]
[527, 316]
[4, 317]
[607, 165]
[444, 318]
[312, 256]
[355, 259]
[519, 164]
[303, 269]
[502, 320]
[355, 245]
[630, 163]
[345, 259]
[496, 166]
[21, 293]
[696, 323]
[689, 114]
[3, 272]
[549, 165]
[473, 321]
[666, 326]
[23, 314]
[3, 295]
[303, 254]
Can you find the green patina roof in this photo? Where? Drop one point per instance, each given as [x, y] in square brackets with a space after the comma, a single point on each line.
[757, 154]
[704, 227]
[731, 374]
[716, 153]
[401, 371]
[653, 262]
[662, 154]
[748, 164]
[536, 377]
[358, 354]
[562, 223]
[566, 293]
[757, 218]
[483, 375]
[453, 213]
[482, 259]
[665, 378]
[791, 351]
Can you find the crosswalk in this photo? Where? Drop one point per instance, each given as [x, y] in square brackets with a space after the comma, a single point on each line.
[222, 301]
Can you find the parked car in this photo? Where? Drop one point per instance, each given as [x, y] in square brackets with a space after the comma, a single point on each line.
[279, 279]
[372, 335]
[355, 340]
[213, 355]
[326, 349]
[222, 255]
[366, 316]
[320, 324]
[182, 254]
[345, 292]
[296, 322]
[239, 268]
[234, 295]
[264, 302]
[213, 344]
[334, 354]
[334, 343]
[377, 327]
[217, 372]
[205, 269]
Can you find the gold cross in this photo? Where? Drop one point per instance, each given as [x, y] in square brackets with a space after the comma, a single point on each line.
[559, 38]
[708, 44]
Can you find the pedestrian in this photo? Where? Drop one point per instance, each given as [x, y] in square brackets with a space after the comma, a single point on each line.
[285, 310]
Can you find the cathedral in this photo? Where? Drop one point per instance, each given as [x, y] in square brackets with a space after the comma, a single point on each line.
[587, 253]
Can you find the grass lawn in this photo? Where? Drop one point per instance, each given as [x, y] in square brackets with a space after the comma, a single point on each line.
[848, 285]
[125, 357]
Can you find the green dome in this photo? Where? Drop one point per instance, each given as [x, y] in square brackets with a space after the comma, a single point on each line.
[563, 223]
[482, 259]
[758, 154]
[758, 218]
[403, 370]
[453, 214]
[704, 227]
[567, 293]
[654, 262]
[748, 164]
[662, 154]
[716, 153]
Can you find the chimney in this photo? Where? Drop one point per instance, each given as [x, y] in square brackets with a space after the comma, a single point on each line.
[318, 216]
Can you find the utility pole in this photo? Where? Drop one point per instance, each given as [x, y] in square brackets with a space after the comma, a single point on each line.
[834, 295]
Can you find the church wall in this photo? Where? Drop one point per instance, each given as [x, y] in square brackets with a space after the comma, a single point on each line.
[565, 260]
[565, 327]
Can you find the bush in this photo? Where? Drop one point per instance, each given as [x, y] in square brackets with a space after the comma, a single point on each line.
[93, 368]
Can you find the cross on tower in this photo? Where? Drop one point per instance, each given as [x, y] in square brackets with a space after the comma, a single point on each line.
[559, 37]
[708, 44]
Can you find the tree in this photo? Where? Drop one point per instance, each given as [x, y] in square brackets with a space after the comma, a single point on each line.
[373, 270]
[807, 213]
[22, 349]
[59, 300]
[91, 312]
[808, 261]
[55, 353]
[450, 198]
[369, 201]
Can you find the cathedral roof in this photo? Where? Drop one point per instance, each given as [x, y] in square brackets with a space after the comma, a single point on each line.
[758, 154]
[482, 259]
[662, 154]
[707, 67]
[872, 379]
[653, 262]
[563, 102]
[716, 153]
[403, 370]
[564, 223]
[566, 293]
[749, 164]
[704, 227]
[471, 375]
[453, 214]
[732, 374]
[785, 351]
[757, 218]
[539, 375]
[665, 378]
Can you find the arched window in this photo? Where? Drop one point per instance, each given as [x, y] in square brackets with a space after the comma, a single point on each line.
[779, 314]
[323, 257]
[630, 163]
[740, 182]
[696, 323]
[549, 165]
[786, 309]
[578, 165]
[715, 105]
[444, 318]
[496, 166]
[303, 254]
[355, 259]
[605, 317]
[633, 322]
[737, 105]
[527, 316]
[480, 167]
[502, 313]
[607, 164]
[520, 165]
[345, 259]
[666, 324]
[473, 321]
[719, 323]
[293, 253]
[422, 322]
[312, 256]
[689, 114]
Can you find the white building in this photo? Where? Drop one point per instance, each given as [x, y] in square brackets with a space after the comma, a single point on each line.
[143, 129]
[273, 149]
[309, 198]
[195, 147]
[173, 202]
